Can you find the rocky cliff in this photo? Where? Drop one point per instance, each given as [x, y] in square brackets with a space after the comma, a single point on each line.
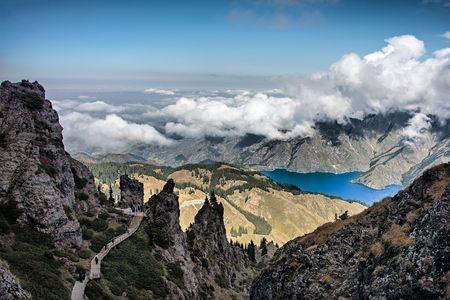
[36, 172]
[397, 249]
[210, 265]
[131, 192]
[10, 288]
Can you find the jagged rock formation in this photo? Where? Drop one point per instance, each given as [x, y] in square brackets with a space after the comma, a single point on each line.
[34, 166]
[10, 289]
[375, 145]
[36, 172]
[397, 249]
[86, 193]
[205, 256]
[165, 234]
[210, 249]
[131, 192]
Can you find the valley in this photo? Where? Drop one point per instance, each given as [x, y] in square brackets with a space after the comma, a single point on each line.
[254, 206]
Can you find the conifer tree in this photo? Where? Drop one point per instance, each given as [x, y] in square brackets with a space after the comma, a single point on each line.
[251, 251]
[263, 246]
[213, 199]
[111, 198]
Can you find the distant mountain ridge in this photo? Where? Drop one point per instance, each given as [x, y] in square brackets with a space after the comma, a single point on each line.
[376, 146]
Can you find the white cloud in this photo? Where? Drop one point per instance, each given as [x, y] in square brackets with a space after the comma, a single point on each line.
[417, 127]
[159, 91]
[97, 106]
[109, 134]
[398, 76]
[392, 78]
[84, 97]
[446, 35]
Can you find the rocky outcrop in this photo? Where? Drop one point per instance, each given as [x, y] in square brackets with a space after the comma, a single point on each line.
[10, 289]
[86, 193]
[131, 192]
[210, 249]
[211, 266]
[397, 249]
[35, 169]
[165, 234]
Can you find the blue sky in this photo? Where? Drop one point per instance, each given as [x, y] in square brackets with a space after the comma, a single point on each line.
[170, 41]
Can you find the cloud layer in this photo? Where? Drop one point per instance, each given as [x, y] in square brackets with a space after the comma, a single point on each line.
[397, 77]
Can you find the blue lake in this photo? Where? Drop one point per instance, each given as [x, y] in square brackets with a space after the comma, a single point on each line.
[333, 184]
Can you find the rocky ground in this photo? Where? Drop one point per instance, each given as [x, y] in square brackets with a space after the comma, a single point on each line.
[397, 249]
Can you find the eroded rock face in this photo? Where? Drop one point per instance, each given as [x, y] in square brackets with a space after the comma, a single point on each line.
[10, 289]
[86, 193]
[397, 249]
[131, 191]
[204, 253]
[35, 169]
[210, 249]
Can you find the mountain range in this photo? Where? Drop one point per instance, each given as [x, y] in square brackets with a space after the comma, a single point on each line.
[55, 218]
[379, 146]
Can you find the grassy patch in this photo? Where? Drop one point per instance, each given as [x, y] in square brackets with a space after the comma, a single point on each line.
[132, 263]
[31, 259]
[175, 274]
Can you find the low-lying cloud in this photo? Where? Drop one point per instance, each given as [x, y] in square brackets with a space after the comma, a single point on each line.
[83, 132]
[397, 77]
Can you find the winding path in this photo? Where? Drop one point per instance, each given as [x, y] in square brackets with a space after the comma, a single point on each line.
[95, 271]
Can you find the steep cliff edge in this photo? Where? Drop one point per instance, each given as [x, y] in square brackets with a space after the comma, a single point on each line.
[211, 267]
[37, 174]
[398, 248]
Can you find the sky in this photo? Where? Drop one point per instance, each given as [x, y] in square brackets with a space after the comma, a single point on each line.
[197, 44]
[124, 73]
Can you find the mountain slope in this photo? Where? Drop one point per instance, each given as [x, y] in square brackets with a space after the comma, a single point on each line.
[397, 249]
[254, 206]
[373, 145]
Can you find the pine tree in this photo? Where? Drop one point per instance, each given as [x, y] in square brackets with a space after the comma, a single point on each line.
[111, 198]
[251, 251]
[213, 199]
[263, 246]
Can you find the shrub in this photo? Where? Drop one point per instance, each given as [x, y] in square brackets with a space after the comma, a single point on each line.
[67, 254]
[87, 233]
[95, 291]
[50, 170]
[81, 196]
[104, 216]
[68, 212]
[98, 242]
[157, 235]
[132, 263]
[121, 229]
[31, 260]
[84, 253]
[222, 281]
[99, 225]
[175, 274]
[33, 101]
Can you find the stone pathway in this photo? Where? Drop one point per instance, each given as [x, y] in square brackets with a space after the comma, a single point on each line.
[95, 271]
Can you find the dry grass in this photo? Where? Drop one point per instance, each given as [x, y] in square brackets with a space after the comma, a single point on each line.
[377, 249]
[327, 279]
[412, 216]
[397, 236]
